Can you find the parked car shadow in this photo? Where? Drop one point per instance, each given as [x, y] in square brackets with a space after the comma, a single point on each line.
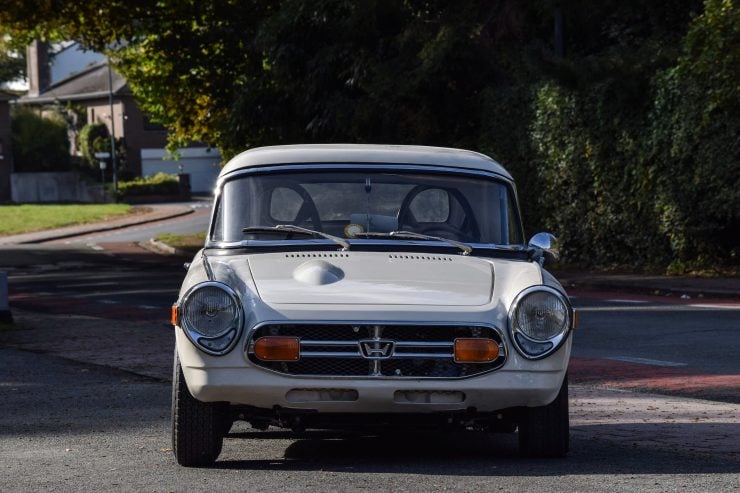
[476, 454]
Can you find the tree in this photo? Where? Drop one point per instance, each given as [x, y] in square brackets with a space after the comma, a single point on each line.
[241, 73]
[609, 140]
[12, 59]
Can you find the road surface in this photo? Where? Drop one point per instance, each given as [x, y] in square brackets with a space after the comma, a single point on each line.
[72, 422]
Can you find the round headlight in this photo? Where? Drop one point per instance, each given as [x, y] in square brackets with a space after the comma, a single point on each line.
[541, 315]
[539, 320]
[211, 316]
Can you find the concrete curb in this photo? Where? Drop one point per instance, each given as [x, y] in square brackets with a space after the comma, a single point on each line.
[695, 287]
[656, 290]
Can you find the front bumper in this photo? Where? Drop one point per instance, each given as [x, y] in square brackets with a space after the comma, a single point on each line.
[234, 379]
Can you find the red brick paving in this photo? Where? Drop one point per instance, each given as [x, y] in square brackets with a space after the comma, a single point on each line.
[76, 306]
[633, 376]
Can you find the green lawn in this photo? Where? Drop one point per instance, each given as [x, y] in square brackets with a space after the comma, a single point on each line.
[15, 219]
[189, 243]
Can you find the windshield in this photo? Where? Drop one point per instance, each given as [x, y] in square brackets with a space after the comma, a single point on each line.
[347, 204]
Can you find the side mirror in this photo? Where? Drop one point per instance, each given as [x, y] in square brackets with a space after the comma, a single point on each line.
[547, 248]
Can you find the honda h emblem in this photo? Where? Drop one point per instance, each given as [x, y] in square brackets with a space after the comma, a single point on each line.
[376, 348]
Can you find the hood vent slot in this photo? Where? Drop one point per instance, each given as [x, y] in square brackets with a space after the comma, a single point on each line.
[316, 255]
[429, 258]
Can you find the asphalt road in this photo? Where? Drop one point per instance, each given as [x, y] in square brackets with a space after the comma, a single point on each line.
[664, 334]
[67, 426]
[133, 284]
[70, 426]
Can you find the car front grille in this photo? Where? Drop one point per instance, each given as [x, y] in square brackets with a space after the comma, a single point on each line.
[399, 350]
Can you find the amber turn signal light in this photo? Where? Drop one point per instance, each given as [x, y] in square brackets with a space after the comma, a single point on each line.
[475, 350]
[175, 315]
[276, 348]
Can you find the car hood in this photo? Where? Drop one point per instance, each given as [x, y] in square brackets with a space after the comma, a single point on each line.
[369, 278]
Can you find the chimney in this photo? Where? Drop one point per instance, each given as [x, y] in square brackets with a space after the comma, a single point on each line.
[39, 72]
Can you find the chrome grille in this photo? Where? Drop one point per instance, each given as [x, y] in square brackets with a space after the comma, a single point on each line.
[399, 350]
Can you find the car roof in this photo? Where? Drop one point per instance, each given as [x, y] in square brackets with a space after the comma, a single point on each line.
[362, 154]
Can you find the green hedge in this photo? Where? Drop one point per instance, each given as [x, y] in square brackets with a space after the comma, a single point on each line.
[159, 184]
[695, 143]
[633, 161]
[596, 190]
[40, 143]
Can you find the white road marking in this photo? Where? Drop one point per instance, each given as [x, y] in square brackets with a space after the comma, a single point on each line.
[648, 361]
[108, 302]
[708, 305]
[149, 307]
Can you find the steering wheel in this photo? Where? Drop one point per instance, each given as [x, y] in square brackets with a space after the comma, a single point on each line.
[407, 220]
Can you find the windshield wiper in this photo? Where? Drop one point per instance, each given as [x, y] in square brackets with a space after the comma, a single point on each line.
[410, 235]
[291, 228]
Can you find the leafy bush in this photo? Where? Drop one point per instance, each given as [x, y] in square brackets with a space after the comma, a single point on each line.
[40, 143]
[635, 161]
[94, 137]
[595, 190]
[159, 184]
[695, 144]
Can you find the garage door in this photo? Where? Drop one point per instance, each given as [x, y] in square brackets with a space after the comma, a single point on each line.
[202, 164]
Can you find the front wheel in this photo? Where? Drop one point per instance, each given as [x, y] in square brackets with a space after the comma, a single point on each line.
[545, 431]
[197, 426]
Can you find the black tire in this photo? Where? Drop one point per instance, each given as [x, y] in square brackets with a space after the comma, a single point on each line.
[197, 427]
[545, 431]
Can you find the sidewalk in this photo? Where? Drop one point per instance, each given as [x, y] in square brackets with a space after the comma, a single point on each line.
[142, 215]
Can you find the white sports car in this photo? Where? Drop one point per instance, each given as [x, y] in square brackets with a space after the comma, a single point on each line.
[362, 286]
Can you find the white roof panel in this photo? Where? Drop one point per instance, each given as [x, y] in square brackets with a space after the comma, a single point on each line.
[363, 153]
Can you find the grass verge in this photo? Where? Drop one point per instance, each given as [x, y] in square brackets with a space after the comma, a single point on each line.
[17, 219]
[189, 243]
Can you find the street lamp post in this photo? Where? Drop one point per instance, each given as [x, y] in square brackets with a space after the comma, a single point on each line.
[114, 166]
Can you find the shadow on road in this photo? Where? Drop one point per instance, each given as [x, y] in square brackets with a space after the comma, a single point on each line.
[468, 454]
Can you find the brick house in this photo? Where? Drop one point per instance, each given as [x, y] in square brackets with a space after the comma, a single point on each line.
[82, 78]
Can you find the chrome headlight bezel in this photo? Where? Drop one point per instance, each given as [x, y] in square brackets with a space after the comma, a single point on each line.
[230, 335]
[546, 346]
